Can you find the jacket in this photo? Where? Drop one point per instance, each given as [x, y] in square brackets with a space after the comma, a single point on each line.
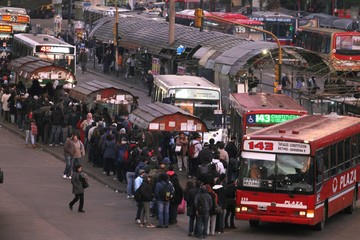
[69, 148]
[76, 183]
[108, 148]
[146, 192]
[207, 199]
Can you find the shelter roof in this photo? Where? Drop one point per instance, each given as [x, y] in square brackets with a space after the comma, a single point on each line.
[166, 117]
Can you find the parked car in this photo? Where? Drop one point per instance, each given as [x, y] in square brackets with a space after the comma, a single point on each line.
[44, 11]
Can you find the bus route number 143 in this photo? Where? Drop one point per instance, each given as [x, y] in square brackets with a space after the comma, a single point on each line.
[267, 146]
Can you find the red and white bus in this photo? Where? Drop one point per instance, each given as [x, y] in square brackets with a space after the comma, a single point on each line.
[254, 111]
[340, 48]
[302, 171]
[216, 21]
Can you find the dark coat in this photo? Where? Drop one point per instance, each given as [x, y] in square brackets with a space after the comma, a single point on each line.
[146, 192]
[76, 183]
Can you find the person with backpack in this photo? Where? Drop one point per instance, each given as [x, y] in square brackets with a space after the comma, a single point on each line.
[203, 203]
[137, 184]
[108, 150]
[121, 159]
[218, 164]
[146, 195]
[194, 149]
[164, 192]
[175, 202]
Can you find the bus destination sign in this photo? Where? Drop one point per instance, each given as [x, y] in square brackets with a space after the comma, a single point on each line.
[276, 146]
[54, 49]
[268, 118]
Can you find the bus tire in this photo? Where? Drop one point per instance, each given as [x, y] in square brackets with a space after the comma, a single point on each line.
[254, 223]
[351, 209]
[321, 225]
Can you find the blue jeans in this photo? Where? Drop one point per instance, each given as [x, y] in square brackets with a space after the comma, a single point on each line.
[55, 134]
[77, 161]
[69, 165]
[163, 213]
[130, 178]
[202, 221]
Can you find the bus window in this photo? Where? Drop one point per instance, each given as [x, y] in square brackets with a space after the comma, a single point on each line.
[333, 156]
[347, 153]
[340, 156]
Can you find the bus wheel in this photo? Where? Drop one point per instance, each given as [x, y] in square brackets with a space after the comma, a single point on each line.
[321, 225]
[254, 223]
[351, 209]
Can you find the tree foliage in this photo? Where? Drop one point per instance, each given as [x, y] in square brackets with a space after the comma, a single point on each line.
[272, 5]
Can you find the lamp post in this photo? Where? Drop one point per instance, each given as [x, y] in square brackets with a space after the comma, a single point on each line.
[277, 82]
[116, 36]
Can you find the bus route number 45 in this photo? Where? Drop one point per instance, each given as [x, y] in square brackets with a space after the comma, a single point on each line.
[268, 146]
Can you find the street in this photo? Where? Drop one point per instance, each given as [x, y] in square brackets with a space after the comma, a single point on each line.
[34, 197]
[34, 205]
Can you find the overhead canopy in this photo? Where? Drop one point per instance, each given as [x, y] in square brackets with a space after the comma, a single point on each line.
[93, 91]
[31, 67]
[165, 117]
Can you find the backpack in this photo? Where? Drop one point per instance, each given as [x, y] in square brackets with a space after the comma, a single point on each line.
[192, 149]
[123, 154]
[200, 207]
[167, 192]
[137, 194]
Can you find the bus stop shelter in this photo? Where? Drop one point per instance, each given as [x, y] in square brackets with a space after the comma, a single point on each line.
[28, 68]
[165, 117]
[101, 94]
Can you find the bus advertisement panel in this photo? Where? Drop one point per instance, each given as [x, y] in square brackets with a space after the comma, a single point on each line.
[6, 38]
[253, 111]
[301, 171]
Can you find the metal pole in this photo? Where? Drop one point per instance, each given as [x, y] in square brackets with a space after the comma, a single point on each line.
[171, 22]
[69, 12]
[261, 70]
[202, 14]
[260, 30]
[116, 36]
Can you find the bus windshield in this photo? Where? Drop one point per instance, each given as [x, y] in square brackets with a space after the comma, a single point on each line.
[203, 109]
[60, 60]
[277, 172]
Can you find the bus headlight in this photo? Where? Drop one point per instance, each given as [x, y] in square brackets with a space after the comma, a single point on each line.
[244, 209]
[310, 214]
[237, 209]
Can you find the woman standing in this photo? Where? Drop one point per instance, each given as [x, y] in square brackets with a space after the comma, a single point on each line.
[108, 149]
[27, 127]
[79, 150]
[69, 152]
[174, 204]
[77, 188]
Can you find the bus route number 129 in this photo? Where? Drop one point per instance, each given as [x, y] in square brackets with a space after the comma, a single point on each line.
[267, 146]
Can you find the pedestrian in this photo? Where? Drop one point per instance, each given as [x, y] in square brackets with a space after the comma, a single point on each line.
[77, 189]
[138, 181]
[131, 66]
[146, 197]
[189, 196]
[174, 204]
[150, 82]
[5, 106]
[284, 84]
[194, 149]
[34, 132]
[230, 193]
[79, 150]
[27, 128]
[181, 150]
[106, 60]
[203, 204]
[69, 153]
[83, 58]
[108, 150]
[164, 191]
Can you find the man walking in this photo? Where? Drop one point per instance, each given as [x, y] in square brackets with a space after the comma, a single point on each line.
[83, 58]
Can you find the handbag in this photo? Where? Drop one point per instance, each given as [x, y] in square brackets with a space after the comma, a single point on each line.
[84, 182]
[178, 150]
[181, 207]
[218, 209]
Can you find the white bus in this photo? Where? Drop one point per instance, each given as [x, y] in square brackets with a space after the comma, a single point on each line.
[47, 48]
[195, 95]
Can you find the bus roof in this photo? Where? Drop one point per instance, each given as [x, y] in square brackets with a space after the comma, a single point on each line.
[245, 102]
[312, 128]
[39, 39]
[321, 30]
[270, 15]
[13, 10]
[184, 81]
[106, 10]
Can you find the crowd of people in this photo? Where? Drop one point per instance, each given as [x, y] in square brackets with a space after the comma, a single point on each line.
[147, 162]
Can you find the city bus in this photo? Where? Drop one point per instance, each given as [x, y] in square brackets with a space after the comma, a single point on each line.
[301, 171]
[250, 112]
[93, 13]
[195, 95]
[281, 25]
[6, 38]
[19, 21]
[47, 48]
[213, 23]
[340, 48]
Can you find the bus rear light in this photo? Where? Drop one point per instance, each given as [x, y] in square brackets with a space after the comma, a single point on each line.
[310, 213]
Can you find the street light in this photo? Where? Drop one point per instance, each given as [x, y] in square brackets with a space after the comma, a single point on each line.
[116, 36]
[265, 52]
